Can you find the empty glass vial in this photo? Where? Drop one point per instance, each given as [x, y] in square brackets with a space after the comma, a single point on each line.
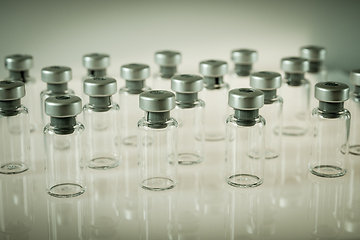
[134, 75]
[14, 129]
[295, 91]
[56, 79]
[244, 60]
[168, 61]
[65, 155]
[354, 107]
[316, 55]
[330, 125]
[189, 112]
[268, 83]
[245, 139]
[157, 141]
[215, 96]
[19, 66]
[101, 118]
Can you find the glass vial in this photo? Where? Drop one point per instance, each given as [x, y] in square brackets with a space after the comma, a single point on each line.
[189, 112]
[14, 129]
[330, 125]
[134, 75]
[268, 83]
[101, 118]
[56, 79]
[244, 60]
[19, 66]
[215, 96]
[157, 141]
[354, 107]
[168, 61]
[295, 91]
[245, 139]
[65, 156]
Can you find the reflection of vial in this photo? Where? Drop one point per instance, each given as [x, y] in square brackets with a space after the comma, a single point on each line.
[189, 112]
[295, 92]
[268, 83]
[215, 96]
[244, 60]
[19, 66]
[134, 75]
[64, 165]
[56, 79]
[101, 118]
[168, 61]
[330, 125]
[354, 107]
[14, 128]
[157, 141]
[245, 136]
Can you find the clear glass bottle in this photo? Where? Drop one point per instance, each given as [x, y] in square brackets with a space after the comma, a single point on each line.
[354, 108]
[65, 155]
[56, 79]
[19, 66]
[268, 83]
[168, 61]
[215, 97]
[134, 75]
[14, 129]
[295, 91]
[189, 112]
[330, 126]
[157, 141]
[245, 139]
[244, 59]
[101, 118]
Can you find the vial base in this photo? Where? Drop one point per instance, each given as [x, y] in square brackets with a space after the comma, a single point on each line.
[244, 180]
[293, 131]
[354, 150]
[328, 171]
[130, 141]
[103, 163]
[158, 184]
[66, 190]
[189, 159]
[269, 154]
[13, 168]
[214, 136]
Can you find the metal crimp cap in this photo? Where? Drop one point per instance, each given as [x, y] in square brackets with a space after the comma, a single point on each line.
[295, 65]
[63, 106]
[355, 77]
[244, 56]
[19, 62]
[265, 80]
[332, 92]
[11, 90]
[168, 58]
[157, 101]
[56, 74]
[246, 98]
[187, 83]
[313, 53]
[96, 61]
[100, 86]
[213, 68]
[135, 71]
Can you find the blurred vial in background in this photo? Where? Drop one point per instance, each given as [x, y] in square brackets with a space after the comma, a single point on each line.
[244, 60]
[215, 97]
[189, 112]
[354, 108]
[134, 75]
[101, 119]
[168, 62]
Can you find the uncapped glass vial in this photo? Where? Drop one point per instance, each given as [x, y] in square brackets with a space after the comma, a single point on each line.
[244, 60]
[56, 79]
[268, 83]
[354, 107]
[295, 91]
[14, 128]
[189, 112]
[168, 61]
[157, 141]
[65, 156]
[330, 125]
[101, 118]
[215, 96]
[245, 139]
[134, 75]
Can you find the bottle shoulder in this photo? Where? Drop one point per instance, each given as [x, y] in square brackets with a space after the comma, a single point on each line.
[344, 114]
[170, 123]
[79, 128]
[91, 108]
[48, 93]
[196, 104]
[259, 122]
[124, 90]
[21, 110]
[278, 100]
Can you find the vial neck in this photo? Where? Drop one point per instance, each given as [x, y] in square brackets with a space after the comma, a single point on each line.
[157, 119]
[97, 72]
[331, 110]
[167, 72]
[63, 126]
[294, 79]
[19, 75]
[315, 67]
[246, 117]
[57, 88]
[243, 69]
[269, 94]
[186, 100]
[135, 87]
[213, 82]
[100, 104]
[8, 108]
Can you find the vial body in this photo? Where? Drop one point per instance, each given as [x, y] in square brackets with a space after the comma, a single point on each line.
[157, 154]
[354, 108]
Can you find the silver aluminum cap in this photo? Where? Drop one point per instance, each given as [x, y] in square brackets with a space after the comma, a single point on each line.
[213, 68]
[19, 62]
[63, 106]
[187, 83]
[246, 98]
[332, 92]
[95, 61]
[295, 65]
[100, 86]
[355, 77]
[11, 90]
[313, 53]
[135, 71]
[244, 56]
[265, 80]
[56, 74]
[157, 101]
[168, 58]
